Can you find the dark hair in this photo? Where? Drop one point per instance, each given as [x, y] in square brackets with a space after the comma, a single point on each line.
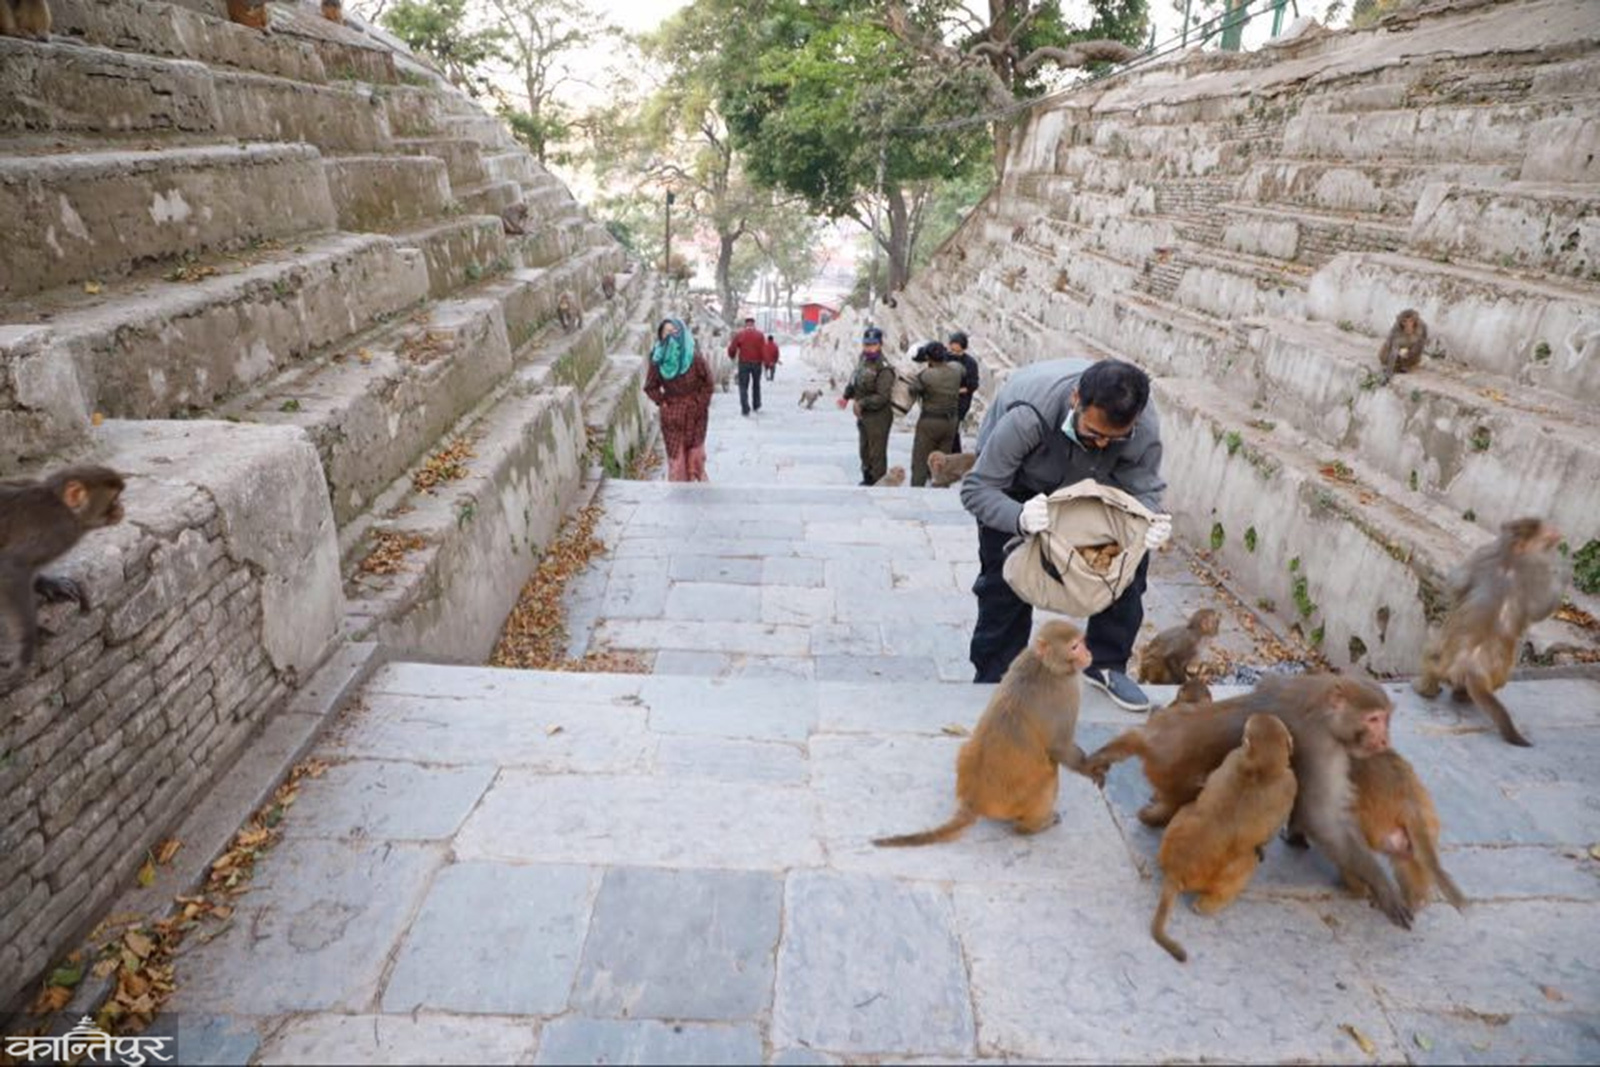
[1119, 389]
[659, 326]
[769, 337]
[749, 321]
[959, 337]
[932, 350]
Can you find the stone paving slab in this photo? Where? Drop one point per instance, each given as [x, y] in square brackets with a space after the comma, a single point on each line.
[425, 1038]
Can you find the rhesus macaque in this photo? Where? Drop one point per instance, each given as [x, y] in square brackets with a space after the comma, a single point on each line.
[1170, 655]
[514, 219]
[39, 521]
[1214, 844]
[809, 398]
[25, 18]
[1402, 349]
[608, 285]
[893, 478]
[1502, 589]
[1399, 820]
[1194, 690]
[1008, 768]
[252, 13]
[568, 311]
[945, 470]
[333, 10]
[1334, 720]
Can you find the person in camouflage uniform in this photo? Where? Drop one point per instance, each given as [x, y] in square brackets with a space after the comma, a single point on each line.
[871, 388]
[938, 387]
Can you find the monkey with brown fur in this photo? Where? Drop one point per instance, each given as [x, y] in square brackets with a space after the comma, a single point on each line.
[1214, 844]
[252, 13]
[39, 521]
[568, 311]
[1167, 659]
[809, 398]
[1194, 690]
[1008, 768]
[1399, 820]
[1334, 721]
[514, 219]
[608, 285]
[1502, 589]
[1402, 349]
[25, 18]
[333, 10]
[893, 478]
[946, 469]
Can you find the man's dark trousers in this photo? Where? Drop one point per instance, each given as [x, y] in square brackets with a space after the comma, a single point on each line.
[1005, 620]
[749, 386]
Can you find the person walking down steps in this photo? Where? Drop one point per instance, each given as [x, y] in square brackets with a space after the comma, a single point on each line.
[938, 387]
[870, 390]
[749, 347]
[679, 384]
[770, 356]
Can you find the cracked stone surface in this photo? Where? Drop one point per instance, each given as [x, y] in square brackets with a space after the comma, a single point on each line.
[509, 867]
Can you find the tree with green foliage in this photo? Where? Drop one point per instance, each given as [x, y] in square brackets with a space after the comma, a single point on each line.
[539, 38]
[438, 29]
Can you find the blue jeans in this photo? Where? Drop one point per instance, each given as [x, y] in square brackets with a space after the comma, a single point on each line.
[749, 386]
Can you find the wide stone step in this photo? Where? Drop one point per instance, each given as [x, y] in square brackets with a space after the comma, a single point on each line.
[1299, 235]
[1351, 561]
[384, 192]
[460, 251]
[153, 348]
[518, 166]
[1554, 228]
[380, 402]
[488, 198]
[463, 157]
[1382, 189]
[487, 130]
[98, 215]
[340, 119]
[172, 31]
[1525, 330]
[61, 87]
[1474, 442]
[461, 551]
[1232, 285]
[1480, 133]
[347, 53]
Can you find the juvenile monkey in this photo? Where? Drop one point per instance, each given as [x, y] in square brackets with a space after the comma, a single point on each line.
[25, 18]
[1398, 819]
[809, 398]
[568, 311]
[893, 478]
[252, 13]
[1166, 660]
[608, 285]
[1008, 768]
[333, 10]
[1214, 844]
[1334, 721]
[39, 521]
[946, 469]
[1402, 349]
[514, 219]
[1194, 690]
[1502, 589]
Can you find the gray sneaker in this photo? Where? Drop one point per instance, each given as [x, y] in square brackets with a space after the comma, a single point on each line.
[1119, 687]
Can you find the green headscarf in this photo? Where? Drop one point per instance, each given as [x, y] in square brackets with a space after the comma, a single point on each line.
[672, 355]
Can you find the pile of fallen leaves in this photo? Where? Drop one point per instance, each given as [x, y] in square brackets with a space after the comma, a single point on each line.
[1269, 647]
[446, 465]
[190, 272]
[389, 551]
[136, 952]
[644, 466]
[535, 635]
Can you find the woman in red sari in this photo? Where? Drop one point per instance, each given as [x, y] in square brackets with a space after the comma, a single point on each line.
[680, 385]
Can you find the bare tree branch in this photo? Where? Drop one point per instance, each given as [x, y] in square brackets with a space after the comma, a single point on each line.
[1078, 55]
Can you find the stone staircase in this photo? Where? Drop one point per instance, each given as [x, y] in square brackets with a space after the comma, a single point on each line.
[264, 275]
[1247, 227]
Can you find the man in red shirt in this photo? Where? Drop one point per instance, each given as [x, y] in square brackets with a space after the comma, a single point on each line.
[749, 347]
[770, 358]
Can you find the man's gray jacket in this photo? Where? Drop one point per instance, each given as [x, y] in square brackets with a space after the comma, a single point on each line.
[1017, 460]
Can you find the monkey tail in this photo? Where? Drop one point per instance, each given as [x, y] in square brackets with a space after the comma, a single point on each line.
[1158, 924]
[1422, 845]
[962, 819]
[1490, 705]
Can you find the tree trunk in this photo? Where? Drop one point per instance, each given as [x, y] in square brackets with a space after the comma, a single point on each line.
[729, 298]
[899, 240]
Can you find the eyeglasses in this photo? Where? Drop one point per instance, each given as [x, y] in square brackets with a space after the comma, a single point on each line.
[1095, 437]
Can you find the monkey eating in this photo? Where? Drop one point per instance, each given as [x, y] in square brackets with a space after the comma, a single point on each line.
[1399, 820]
[39, 521]
[568, 311]
[1008, 769]
[1214, 844]
[1170, 655]
[945, 470]
[25, 18]
[893, 478]
[1402, 349]
[809, 398]
[1502, 589]
[514, 219]
[1334, 721]
[252, 13]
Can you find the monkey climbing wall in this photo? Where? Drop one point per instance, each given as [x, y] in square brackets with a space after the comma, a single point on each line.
[266, 277]
[1247, 227]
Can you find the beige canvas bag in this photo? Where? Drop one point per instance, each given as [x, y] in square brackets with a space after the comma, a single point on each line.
[900, 397]
[1088, 554]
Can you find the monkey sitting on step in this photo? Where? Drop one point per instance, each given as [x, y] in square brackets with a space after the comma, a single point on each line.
[514, 219]
[1214, 844]
[333, 10]
[1170, 655]
[1008, 768]
[568, 311]
[1402, 349]
[25, 18]
[252, 13]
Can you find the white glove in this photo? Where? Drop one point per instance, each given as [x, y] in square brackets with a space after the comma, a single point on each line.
[1159, 533]
[1035, 515]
